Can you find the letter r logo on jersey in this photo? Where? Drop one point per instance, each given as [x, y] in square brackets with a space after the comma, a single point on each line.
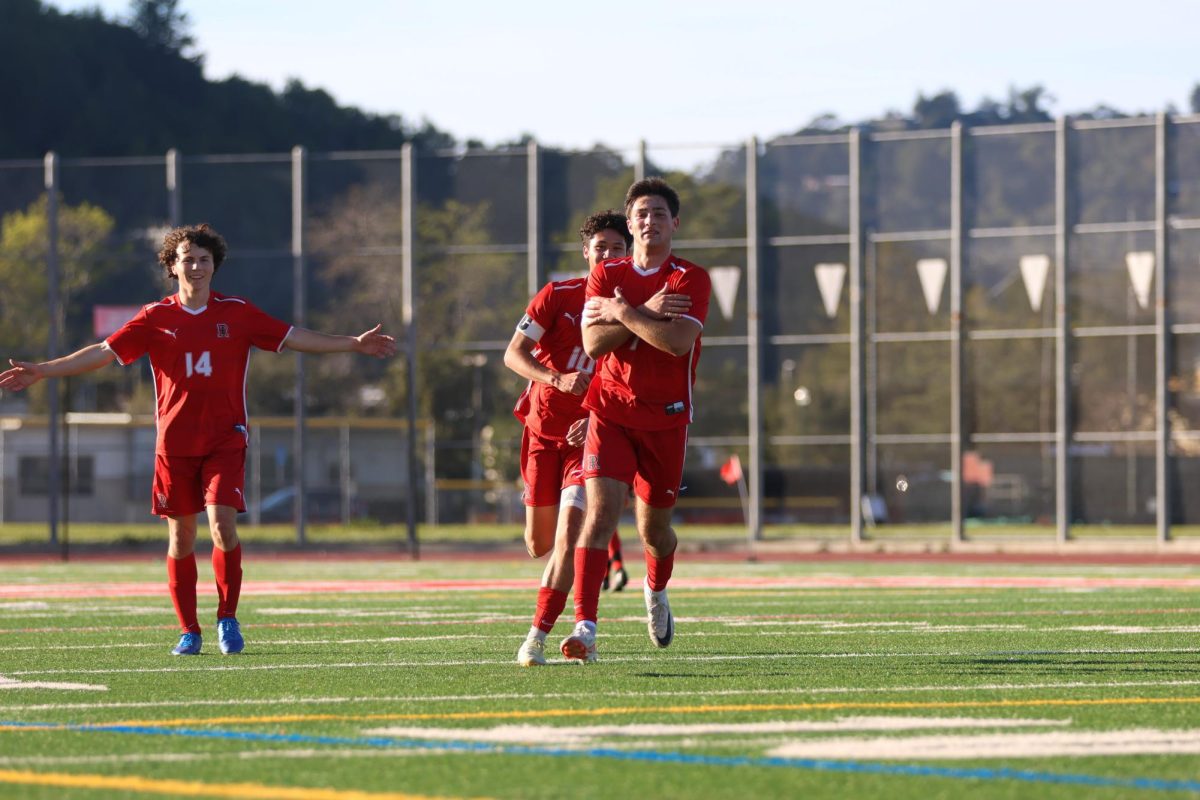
[593, 462]
[222, 330]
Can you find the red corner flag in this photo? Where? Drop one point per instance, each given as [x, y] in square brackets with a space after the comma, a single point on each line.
[731, 470]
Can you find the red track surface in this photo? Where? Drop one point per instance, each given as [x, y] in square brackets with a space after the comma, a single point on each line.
[308, 587]
[722, 553]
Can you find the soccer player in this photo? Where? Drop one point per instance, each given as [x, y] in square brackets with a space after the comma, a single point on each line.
[547, 350]
[199, 346]
[640, 402]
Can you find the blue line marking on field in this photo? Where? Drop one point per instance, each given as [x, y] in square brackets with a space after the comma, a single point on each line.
[817, 765]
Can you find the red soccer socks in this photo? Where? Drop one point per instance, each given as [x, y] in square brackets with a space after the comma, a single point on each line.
[181, 582]
[227, 569]
[550, 605]
[591, 566]
[658, 571]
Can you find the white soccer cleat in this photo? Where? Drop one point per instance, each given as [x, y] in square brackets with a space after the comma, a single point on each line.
[532, 652]
[659, 621]
[581, 644]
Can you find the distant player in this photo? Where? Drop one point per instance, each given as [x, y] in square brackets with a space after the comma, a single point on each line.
[547, 349]
[199, 346]
[641, 404]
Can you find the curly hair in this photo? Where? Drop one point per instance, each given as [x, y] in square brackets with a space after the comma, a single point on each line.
[609, 220]
[653, 187]
[201, 235]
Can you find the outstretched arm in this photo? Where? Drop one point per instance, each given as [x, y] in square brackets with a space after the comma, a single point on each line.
[26, 373]
[371, 343]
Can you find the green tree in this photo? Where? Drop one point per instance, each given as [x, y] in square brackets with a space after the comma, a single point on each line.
[162, 24]
[86, 259]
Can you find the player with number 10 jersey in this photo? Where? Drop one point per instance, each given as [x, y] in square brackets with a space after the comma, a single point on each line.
[552, 321]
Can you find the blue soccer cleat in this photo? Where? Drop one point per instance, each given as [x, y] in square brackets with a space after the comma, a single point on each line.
[229, 636]
[189, 645]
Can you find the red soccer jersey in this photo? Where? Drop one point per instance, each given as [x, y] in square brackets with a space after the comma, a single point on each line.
[638, 385]
[552, 320]
[199, 361]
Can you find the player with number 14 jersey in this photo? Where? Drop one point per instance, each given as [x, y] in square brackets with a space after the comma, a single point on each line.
[199, 360]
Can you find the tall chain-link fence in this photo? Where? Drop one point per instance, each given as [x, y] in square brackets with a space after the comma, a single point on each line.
[934, 327]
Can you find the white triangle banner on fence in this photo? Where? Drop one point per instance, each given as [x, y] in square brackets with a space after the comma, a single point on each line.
[725, 285]
[1034, 269]
[932, 272]
[1141, 272]
[830, 278]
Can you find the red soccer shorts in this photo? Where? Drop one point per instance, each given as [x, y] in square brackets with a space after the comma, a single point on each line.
[650, 461]
[184, 485]
[547, 467]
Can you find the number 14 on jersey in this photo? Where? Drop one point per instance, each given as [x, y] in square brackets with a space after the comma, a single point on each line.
[201, 365]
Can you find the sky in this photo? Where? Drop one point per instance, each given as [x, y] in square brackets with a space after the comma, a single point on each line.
[698, 72]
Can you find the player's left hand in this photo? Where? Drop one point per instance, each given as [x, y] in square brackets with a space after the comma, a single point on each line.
[666, 305]
[374, 343]
[577, 433]
[606, 310]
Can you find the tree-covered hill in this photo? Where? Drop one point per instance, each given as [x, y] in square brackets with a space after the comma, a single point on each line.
[84, 85]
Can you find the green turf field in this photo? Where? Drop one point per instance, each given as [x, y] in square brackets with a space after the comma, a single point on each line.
[373, 679]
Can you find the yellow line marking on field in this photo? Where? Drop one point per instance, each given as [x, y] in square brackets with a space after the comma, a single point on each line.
[135, 783]
[617, 710]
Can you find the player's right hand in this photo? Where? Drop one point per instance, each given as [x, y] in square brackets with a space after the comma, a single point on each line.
[23, 375]
[575, 383]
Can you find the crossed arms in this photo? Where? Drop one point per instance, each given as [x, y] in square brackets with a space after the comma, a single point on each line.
[608, 322]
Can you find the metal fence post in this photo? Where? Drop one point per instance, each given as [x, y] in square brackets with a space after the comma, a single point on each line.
[1062, 363]
[857, 437]
[533, 225]
[408, 305]
[1162, 366]
[174, 188]
[956, 333]
[51, 178]
[344, 468]
[754, 526]
[299, 306]
[256, 475]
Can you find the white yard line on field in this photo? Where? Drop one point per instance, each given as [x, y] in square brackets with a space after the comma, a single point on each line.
[234, 667]
[586, 734]
[12, 683]
[1137, 741]
[817, 628]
